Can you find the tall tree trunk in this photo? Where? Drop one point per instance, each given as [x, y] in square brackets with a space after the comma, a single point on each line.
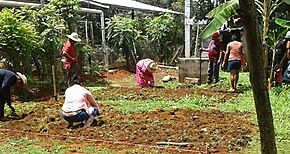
[258, 77]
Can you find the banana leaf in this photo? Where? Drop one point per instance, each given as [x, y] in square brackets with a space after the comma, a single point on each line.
[221, 15]
[282, 22]
[286, 1]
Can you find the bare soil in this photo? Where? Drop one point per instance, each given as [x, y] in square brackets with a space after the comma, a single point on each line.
[204, 131]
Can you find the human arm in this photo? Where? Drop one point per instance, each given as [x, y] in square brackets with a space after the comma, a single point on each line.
[91, 100]
[288, 49]
[8, 81]
[243, 58]
[226, 57]
[70, 58]
[220, 57]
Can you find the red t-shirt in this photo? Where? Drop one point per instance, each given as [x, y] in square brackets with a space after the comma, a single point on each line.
[69, 49]
[215, 47]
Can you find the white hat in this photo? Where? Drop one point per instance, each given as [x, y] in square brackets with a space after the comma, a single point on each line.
[287, 35]
[152, 67]
[74, 36]
[22, 77]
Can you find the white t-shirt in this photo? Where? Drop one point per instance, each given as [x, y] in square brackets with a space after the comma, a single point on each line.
[76, 97]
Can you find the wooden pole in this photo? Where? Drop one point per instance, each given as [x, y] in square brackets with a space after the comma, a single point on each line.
[54, 86]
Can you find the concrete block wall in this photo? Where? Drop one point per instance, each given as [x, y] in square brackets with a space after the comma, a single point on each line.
[190, 68]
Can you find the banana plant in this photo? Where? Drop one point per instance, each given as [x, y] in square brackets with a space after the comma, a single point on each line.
[229, 9]
[220, 15]
[283, 23]
[225, 11]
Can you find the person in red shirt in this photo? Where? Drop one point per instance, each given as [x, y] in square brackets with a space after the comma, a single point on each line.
[69, 56]
[215, 53]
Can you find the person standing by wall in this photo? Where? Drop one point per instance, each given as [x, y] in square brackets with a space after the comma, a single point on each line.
[144, 72]
[215, 54]
[234, 56]
[69, 56]
[7, 80]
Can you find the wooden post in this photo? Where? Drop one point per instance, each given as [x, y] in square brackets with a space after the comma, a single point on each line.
[54, 86]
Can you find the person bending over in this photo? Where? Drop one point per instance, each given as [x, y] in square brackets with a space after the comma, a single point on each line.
[144, 72]
[7, 80]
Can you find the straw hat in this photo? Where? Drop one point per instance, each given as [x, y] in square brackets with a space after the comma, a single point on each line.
[287, 36]
[22, 77]
[152, 67]
[74, 36]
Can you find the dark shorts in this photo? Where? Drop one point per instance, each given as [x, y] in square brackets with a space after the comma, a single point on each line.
[234, 65]
[80, 116]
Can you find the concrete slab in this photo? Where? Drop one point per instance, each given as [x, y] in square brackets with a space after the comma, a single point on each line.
[195, 68]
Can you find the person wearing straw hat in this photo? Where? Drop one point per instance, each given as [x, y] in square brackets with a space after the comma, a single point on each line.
[144, 72]
[70, 58]
[7, 80]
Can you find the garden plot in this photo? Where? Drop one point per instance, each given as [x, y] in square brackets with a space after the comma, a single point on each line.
[157, 118]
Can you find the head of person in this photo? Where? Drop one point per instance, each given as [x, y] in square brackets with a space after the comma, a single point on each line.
[152, 67]
[21, 79]
[74, 37]
[235, 37]
[287, 36]
[76, 79]
[215, 36]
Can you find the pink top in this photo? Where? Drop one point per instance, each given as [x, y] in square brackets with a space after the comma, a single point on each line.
[76, 97]
[69, 49]
[144, 77]
[236, 50]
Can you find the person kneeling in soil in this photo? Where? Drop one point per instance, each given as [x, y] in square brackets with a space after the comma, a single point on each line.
[144, 72]
[77, 99]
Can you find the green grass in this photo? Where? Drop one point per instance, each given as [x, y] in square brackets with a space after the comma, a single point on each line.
[23, 145]
[35, 146]
[197, 102]
[279, 98]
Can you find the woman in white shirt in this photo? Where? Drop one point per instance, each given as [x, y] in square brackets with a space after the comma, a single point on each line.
[79, 104]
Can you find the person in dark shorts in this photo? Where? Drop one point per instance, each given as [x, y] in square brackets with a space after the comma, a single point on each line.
[234, 57]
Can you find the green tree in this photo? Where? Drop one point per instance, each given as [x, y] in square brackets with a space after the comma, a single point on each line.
[121, 34]
[160, 33]
[18, 38]
[67, 9]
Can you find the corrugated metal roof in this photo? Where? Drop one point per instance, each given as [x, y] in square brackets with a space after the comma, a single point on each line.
[134, 5]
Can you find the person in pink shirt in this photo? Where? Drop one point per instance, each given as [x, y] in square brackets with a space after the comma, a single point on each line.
[144, 72]
[79, 104]
[235, 58]
[69, 56]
